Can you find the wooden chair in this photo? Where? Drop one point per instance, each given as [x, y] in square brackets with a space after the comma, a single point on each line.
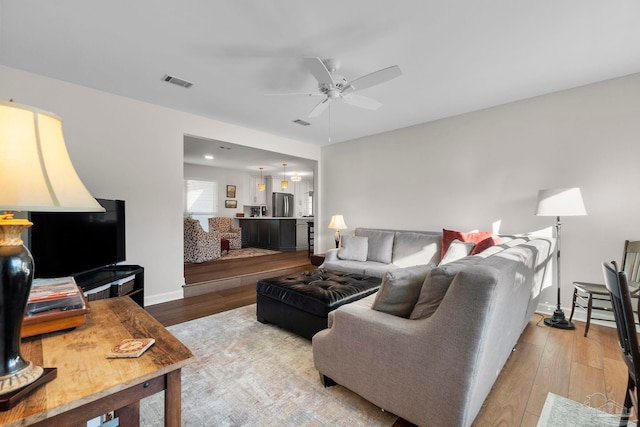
[595, 297]
[618, 288]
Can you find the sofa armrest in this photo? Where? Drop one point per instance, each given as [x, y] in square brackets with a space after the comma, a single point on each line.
[331, 255]
[386, 359]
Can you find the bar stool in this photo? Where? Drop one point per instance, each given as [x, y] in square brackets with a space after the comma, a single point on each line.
[310, 225]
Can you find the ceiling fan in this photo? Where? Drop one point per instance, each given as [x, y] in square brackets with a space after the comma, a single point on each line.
[333, 86]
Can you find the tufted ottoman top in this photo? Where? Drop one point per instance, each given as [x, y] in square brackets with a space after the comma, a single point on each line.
[318, 291]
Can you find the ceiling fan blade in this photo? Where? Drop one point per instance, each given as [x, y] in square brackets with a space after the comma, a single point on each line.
[318, 109]
[319, 70]
[375, 78]
[294, 94]
[362, 102]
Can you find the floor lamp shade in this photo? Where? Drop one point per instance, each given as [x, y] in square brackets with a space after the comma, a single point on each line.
[559, 202]
[36, 174]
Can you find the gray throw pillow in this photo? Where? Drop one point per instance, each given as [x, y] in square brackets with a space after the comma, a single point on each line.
[436, 285]
[457, 250]
[380, 244]
[411, 248]
[353, 248]
[400, 290]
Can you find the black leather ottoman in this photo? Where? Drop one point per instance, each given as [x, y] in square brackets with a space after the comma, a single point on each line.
[302, 301]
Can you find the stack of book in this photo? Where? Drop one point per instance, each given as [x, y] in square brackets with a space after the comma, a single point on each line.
[60, 293]
[54, 305]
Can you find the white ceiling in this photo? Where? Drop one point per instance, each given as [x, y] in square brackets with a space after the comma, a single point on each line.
[245, 159]
[456, 55]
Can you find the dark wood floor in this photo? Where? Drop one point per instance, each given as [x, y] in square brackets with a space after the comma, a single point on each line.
[545, 360]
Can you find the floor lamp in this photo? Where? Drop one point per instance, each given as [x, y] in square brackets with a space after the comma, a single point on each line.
[559, 202]
[36, 174]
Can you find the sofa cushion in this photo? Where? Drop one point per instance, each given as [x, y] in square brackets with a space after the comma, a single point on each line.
[411, 248]
[377, 269]
[457, 250]
[449, 236]
[353, 248]
[380, 244]
[346, 266]
[400, 290]
[437, 283]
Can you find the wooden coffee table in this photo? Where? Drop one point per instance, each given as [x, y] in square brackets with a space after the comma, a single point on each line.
[89, 385]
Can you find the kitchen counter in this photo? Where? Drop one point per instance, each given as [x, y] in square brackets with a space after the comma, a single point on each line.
[276, 217]
[277, 233]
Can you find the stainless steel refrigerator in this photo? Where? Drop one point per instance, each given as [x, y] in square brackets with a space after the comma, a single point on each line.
[282, 204]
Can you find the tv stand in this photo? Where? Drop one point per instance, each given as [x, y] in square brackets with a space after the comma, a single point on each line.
[102, 276]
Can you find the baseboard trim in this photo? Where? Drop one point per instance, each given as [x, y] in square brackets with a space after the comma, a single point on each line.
[159, 299]
[195, 289]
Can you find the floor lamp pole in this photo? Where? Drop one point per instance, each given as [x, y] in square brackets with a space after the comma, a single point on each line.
[558, 319]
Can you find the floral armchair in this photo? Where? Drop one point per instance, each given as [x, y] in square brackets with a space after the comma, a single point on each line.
[199, 245]
[225, 227]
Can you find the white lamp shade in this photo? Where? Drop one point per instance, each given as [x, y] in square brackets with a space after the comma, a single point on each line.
[35, 169]
[337, 223]
[560, 202]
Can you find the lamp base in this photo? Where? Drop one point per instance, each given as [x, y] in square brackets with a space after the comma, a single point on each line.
[558, 321]
[9, 400]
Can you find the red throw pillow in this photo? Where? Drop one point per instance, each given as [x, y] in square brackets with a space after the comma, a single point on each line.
[486, 244]
[449, 236]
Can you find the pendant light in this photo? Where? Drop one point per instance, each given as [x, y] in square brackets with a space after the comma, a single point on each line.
[295, 177]
[284, 183]
[261, 183]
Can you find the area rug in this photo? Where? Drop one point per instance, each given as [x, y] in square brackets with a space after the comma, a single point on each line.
[596, 411]
[250, 374]
[246, 253]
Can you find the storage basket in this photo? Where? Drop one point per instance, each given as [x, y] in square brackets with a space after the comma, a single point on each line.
[122, 287]
[100, 292]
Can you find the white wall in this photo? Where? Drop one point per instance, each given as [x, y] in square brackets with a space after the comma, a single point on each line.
[131, 150]
[223, 177]
[470, 171]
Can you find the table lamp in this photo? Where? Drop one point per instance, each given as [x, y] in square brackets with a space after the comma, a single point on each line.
[337, 223]
[36, 175]
[559, 202]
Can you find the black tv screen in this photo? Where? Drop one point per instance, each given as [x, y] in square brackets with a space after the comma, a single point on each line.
[68, 243]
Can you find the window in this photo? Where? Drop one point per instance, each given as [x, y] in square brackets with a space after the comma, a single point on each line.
[201, 200]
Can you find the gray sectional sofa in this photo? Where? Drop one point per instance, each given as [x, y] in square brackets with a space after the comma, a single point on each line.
[434, 361]
[386, 250]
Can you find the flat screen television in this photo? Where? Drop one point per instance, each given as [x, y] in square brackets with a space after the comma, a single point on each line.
[69, 243]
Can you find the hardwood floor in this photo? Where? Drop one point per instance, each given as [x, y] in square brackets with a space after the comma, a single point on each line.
[545, 359]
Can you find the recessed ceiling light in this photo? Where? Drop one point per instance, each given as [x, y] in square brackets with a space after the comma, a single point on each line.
[208, 156]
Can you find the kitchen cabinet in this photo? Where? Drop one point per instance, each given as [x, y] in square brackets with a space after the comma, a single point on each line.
[257, 197]
[270, 233]
[302, 241]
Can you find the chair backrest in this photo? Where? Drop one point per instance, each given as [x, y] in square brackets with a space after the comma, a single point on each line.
[616, 283]
[631, 262]
[221, 224]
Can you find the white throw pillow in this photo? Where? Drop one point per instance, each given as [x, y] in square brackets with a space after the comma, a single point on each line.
[457, 250]
[353, 248]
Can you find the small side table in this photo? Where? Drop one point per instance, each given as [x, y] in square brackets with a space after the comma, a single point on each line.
[317, 259]
[224, 245]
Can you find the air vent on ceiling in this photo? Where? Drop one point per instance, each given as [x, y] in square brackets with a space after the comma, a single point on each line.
[301, 122]
[177, 81]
